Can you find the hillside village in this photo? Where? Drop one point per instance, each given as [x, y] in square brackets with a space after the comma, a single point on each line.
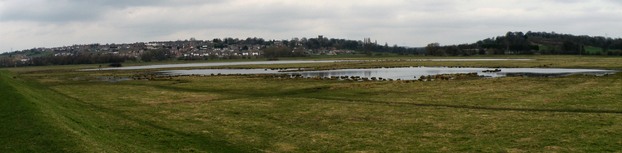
[191, 49]
[233, 48]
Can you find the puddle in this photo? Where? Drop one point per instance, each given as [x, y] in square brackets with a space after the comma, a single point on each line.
[112, 79]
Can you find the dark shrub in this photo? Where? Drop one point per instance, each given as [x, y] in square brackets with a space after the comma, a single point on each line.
[114, 65]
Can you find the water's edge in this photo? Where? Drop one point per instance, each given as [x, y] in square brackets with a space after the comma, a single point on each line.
[403, 73]
[277, 62]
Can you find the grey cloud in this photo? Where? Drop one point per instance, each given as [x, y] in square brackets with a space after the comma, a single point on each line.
[46, 11]
[78, 10]
[404, 22]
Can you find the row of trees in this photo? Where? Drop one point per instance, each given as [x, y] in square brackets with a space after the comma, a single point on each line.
[82, 58]
[318, 44]
[532, 43]
[510, 43]
[276, 52]
[343, 44]
[7, 62]
[156, 55]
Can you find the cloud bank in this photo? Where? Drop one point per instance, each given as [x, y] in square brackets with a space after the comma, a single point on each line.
[45, 23]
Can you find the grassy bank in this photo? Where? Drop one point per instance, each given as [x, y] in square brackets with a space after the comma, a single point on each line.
[39, 119]
[29, 122]
[79, 113]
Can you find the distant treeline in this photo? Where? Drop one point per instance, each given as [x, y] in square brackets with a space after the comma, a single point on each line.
[82, 58]
[170, 51]
[509, 44]
[533, 43]
[320, 43]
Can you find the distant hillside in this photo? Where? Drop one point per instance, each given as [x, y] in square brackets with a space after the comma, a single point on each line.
[234, 48]
[227, 48]
[533, 43]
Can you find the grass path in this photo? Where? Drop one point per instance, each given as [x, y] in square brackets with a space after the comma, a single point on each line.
[25, 126]
[36, 118]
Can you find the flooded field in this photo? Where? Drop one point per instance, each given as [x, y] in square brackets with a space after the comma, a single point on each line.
[278, 62]
[405, 73]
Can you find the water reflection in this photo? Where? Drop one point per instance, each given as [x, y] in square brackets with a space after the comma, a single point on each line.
[406, 73]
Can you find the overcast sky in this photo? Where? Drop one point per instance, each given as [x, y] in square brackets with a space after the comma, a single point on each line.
[26, 24]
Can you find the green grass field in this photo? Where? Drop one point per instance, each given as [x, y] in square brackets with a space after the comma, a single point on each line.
[597, 50]
[58, 109]
[593, 50]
